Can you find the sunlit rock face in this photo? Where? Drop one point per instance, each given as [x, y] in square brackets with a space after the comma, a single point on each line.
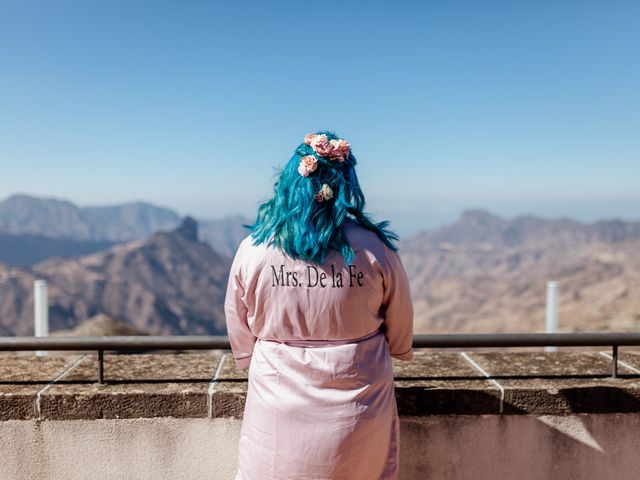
[485, 274]
[168, 284]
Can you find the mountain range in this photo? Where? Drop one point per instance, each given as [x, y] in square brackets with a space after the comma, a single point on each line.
[170, 283]
[33, 228]
[55, 218]
[482, 273]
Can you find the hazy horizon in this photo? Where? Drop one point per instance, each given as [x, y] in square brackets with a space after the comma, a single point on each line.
[404, 223]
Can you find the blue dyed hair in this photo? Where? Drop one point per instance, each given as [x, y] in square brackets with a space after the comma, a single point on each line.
[305, 228]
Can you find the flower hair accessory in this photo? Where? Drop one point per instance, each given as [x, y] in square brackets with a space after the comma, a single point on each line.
[324, 194]
[337, 149]
[308, 164]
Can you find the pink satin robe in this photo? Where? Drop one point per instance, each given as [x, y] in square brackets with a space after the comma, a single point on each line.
[319, 339]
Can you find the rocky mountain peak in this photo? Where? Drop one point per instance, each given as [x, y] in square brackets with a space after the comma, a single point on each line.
[479, 217]
[188, 229]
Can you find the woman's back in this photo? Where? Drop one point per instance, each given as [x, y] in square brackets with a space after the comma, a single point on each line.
[292, 299]
[317, 303]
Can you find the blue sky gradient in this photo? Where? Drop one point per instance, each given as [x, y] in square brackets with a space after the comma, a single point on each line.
[517, 107]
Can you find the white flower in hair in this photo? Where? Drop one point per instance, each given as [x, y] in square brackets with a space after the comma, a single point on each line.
[325, 193]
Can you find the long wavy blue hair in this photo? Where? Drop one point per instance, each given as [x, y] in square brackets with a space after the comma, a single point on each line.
[305, 228]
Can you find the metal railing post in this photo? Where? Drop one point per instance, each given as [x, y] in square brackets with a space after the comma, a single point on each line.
[551, 321]
[100, 367]
[40, 311]
[614, 362]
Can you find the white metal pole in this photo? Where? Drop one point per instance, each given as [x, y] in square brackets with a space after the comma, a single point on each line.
[551, 322]
[41, 311]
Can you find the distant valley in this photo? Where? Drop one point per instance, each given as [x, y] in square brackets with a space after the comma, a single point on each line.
[28, 249]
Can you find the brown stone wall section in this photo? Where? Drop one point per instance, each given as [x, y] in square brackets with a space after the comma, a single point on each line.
[201, 385]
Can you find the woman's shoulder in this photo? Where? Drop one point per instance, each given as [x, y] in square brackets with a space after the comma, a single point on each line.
[247, 246]
[256, 253]
[246, 242]
[248, 257]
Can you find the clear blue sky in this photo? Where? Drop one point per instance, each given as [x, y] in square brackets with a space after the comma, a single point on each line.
[517, 107]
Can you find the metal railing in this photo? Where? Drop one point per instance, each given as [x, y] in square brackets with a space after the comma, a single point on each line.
[446, 340]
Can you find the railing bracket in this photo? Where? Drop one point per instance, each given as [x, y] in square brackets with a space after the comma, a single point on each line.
[101, 367]
[614, 362]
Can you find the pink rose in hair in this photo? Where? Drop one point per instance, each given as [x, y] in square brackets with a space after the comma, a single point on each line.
[321, 145]
[308, 164]
[340, 149]
[308, 138]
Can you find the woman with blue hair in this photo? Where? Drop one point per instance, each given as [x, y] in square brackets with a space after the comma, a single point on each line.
[317, 305]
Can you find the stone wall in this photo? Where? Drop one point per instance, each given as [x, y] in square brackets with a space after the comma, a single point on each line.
[521, 415]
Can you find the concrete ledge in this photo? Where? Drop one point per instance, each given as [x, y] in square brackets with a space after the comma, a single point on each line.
[208, 385]
[443, 447]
